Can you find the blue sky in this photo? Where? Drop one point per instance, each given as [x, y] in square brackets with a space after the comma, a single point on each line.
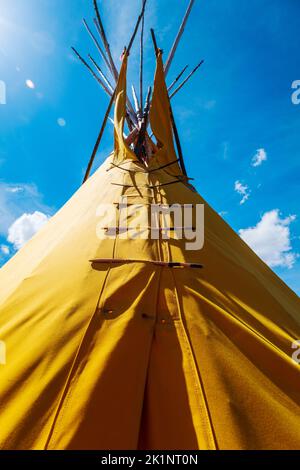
[239, 128]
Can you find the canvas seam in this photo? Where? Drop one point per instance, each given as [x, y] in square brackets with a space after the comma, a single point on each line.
[199, 386]
[149, 358]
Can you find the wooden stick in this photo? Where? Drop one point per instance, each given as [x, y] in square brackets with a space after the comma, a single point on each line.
[92, 72]
[142, 64]
[178, 144]
[154, 41]
[136, 103]
[126, 137]
[147, 103]
[95, 150]
[101, 73]
[136, 27]
[127, 51]
[131, 113]
[177, 78]
[105, 42]
[187, 79]
[130, 138]
[112, 66]
[178, 37]
[100, 27]
[131, 116]
[168, 264]
[97, 45]
[139, 149]
[175, 131]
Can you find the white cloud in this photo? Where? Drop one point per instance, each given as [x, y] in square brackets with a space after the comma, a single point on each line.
[243, 190]
[14, 189]
[210, 104]
[25, 227]
[61, 122]
[17, 199]
[5, 249]
[223, 213]
[271, 239]
[30, 84]
[259, 157]
[225, 150]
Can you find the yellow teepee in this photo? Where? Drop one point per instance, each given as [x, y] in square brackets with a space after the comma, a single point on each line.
[126, 343]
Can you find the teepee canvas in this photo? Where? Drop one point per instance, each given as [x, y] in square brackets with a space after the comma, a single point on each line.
[122, 342]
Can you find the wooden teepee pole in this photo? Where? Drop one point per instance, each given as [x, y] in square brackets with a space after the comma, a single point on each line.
[142, 64]
[178, 37]
[187, 79]
[103, 76]
[128, 49]
[140, 149]
[177, 78]
[106, 117]
[135, 100]
[175, 131]
[102, 53]
[83, 61]
[95, 150]
[130, 116]
[178, 144]
[100, 26]
[136, 27]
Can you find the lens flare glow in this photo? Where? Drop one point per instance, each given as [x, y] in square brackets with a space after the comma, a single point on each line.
[30, 84]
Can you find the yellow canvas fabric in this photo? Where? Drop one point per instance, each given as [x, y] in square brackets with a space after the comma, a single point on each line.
[122, 151]
[160, 121]
[139, 356]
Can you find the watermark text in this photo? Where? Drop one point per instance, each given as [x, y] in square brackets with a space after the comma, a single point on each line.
[296, 93]
[154, 221]
[2, 92]
[2, 353]
[296, 354]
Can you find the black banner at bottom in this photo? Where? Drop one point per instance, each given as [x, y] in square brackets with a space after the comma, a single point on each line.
[133, 459]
